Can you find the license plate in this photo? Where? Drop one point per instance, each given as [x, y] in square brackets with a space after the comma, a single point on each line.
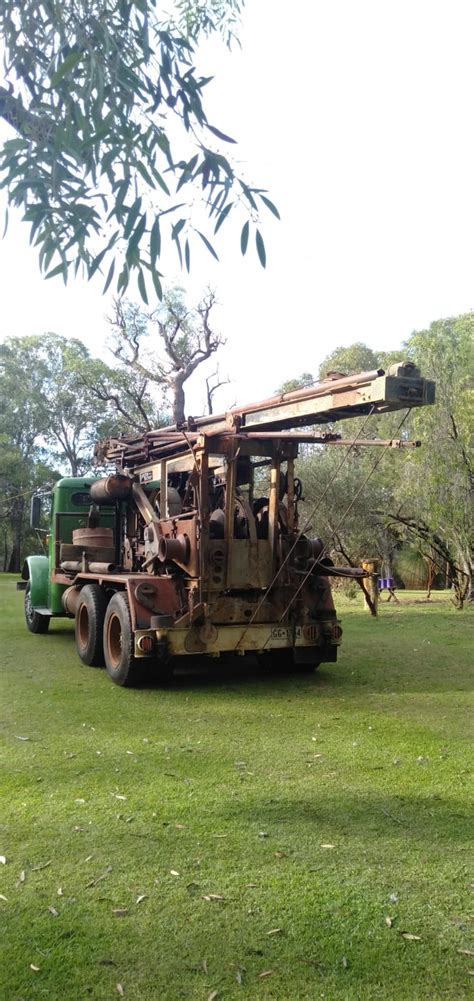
[302, 634]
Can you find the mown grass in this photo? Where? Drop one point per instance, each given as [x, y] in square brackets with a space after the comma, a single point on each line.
[228, 786]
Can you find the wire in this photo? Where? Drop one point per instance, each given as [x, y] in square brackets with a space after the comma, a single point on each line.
[336, 530]
[27, 493]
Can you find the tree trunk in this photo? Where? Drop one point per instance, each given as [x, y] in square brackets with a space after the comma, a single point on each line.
[16, 525]
[178, 401]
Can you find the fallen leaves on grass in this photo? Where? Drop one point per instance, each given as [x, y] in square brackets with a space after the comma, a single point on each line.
[266, 973]
[389, 921]
[173, 872]
[275, 931]
[212, 995]
[98, 879]
[60, 891]
[42, 865]
[36, 969]
[327, 846]
[142, 896]
[3, 897]
[3, 860]
[409, 937]
[120, 990]
[21, 738]
[239, 976]
[120, 912]
[466, 952]
[52, 910]
[213, 896]
[280, 854]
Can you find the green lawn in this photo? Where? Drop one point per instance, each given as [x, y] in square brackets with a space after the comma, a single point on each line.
[243, 834]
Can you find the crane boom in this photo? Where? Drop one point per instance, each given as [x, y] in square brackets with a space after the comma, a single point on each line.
[335, 398]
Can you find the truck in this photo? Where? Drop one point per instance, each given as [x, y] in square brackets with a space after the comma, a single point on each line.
[192, 543]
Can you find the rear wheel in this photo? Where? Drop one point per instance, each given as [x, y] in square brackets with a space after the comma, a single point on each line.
[122, 667]
[90, 625]
[36, 622]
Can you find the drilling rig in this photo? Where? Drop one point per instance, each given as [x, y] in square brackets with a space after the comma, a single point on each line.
[193, 545]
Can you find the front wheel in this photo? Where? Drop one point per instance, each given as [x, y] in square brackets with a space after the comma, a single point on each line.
[36, 622]
[122, 667]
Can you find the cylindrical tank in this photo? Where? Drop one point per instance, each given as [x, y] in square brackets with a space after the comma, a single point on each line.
[111, 488]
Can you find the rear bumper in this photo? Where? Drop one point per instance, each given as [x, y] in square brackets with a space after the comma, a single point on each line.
[321, 637]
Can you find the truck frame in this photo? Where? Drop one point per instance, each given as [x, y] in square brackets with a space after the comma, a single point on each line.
[193, 545]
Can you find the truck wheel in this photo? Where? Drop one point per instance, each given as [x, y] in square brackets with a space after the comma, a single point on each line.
[36, 623]
[90, 625]
[122, 667]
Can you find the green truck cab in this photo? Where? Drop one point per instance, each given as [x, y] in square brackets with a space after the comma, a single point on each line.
[70, 502]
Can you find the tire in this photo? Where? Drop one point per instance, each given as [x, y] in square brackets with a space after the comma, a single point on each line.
[122, 667]
[36, 623]
[90, 616]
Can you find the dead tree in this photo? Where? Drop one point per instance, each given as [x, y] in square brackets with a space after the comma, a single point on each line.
[181, 340]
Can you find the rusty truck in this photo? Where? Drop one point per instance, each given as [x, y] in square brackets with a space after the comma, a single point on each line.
[192, 544]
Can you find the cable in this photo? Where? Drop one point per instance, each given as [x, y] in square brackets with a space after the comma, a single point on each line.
[336, 530]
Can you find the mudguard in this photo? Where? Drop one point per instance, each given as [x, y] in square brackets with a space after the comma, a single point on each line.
[36, 570]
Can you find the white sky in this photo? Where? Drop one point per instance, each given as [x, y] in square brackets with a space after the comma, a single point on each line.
[358, 119]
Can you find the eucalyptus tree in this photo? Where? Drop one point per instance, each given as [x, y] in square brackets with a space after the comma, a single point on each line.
[167, 345]
[435, 498]
[112, 150]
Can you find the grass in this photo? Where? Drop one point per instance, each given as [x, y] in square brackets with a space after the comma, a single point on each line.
[213, 802]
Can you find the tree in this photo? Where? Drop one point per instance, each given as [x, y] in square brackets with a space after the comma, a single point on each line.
[182, 339]
[127, 402]
[305, 379]
[356, 357]
[41, 373]
[22, 413]
[92, 89]
[21, 474]
[435, 497]
[342, 491]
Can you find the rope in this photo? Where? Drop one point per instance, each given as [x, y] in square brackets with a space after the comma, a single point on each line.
[305, 526]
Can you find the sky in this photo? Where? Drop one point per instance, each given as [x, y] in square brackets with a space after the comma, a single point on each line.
[358, 119]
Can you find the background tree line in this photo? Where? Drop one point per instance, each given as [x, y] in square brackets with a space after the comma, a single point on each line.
[414, 513]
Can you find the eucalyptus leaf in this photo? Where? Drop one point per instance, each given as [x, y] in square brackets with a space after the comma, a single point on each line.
[260, 248]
